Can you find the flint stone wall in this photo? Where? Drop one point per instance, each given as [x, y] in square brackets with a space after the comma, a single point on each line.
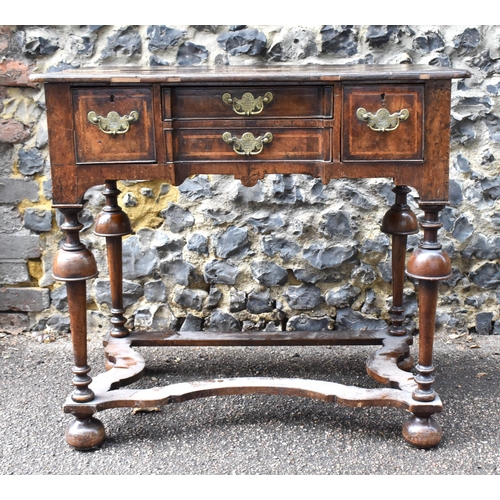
[289, 253]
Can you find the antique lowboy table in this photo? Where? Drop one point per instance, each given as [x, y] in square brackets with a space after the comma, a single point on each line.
[170, 123]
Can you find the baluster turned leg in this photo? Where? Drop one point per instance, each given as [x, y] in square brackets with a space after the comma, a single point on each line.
[399, 222]
[429, 263]
[113, 223]
[74, 264]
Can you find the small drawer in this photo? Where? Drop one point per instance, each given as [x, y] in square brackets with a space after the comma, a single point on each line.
[382, 123]
[238, 144]
[114, 125]
[249, 102]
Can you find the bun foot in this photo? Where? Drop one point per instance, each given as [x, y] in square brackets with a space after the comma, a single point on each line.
[85, 432]
[422, 432]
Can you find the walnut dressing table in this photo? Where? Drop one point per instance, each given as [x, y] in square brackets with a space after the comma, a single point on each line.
[329, 122]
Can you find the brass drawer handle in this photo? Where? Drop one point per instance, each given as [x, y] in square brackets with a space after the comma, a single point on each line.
[382, 120]
[248, 104]
[247, 144]
[113, 123]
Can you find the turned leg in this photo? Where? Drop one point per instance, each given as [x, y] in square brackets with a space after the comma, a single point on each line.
[113, 224]
[74, 264]
[429, 263]
[399, 222]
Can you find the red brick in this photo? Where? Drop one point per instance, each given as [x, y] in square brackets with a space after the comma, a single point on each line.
[15, 74]
[13, 132]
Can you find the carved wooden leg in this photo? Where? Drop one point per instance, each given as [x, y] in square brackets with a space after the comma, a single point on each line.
[399, 221]
[74, 264]
[430, 264]
[113, 224]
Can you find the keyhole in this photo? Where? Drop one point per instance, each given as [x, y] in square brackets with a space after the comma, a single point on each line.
[111, 98]
[382, 96]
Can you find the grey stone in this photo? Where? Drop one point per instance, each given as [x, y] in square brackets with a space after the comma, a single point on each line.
[347, 319]
[268, 273]
[17, 190]
[259, 301]
[467, 41]
[190, 299]
[364, 273]
[232, 243]
[448, 217]
[14, 323]
[369, 303]
[190, 54]
[13, 272]
[163, 319]
[166, 246]
[220, 321]
[496, 328]
[132, 292]
[129, 200]
[37, 219]
[158, 61]
[10, 219]
[482, 248]
[210, 28]
[59, 298]
[380, 35]
[147, 193]
[379, 245]
[279, 245]
[284, 189]
[455, 195]
[462, 164]
[198, 243]
[342, 43]
[297, 43]
[177, 218]
[491, 188]
[476, 300]
[218, 271]
[58, 324]
[486, 276]
[266, 222]
[462, 228]
[252, 194]
[179, 270]
[40, 46]
[155, 291]
[196, 188]
[192, 324]
[126, 42]
[24, 299]
[82, 46]
[19, 246]
[463, 131]
[336, 224]
[303, 297]
[214, 297]
[247, 41]
[385, 269]
[428, 42]
[343, 296]
[237, 300]
[311, 275]
[321, 257]
[493, 124]
[137, 260]
[162, 37]
[303, 322]
[484, 323]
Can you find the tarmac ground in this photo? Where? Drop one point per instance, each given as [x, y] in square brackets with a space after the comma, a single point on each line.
[248, 435]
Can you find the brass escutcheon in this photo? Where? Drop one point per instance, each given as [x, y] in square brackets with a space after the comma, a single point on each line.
[113, 123]
[248, 144]
[248, 104]
[382, 120]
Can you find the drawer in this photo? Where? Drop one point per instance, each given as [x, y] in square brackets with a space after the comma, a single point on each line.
[248, 101]
[382, 122]
[114, 125]
[237, 144]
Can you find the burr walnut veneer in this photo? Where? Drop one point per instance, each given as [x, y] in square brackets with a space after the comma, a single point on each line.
[329, 122]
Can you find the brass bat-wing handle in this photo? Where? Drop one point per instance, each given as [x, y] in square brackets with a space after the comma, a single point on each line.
[248, 104]
[247, 144]
[382, 120]
[113, 123]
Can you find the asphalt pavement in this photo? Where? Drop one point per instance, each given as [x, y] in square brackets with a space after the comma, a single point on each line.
[248, 435]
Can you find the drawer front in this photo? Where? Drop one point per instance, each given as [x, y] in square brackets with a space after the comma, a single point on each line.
[238, 144]
[382, 123]
[114, 125]
[252, 101]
